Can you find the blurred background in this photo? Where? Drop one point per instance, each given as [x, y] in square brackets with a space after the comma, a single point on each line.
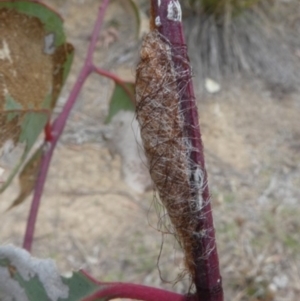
[98, 212]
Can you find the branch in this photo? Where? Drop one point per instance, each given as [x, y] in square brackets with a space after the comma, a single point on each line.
[114, 290]
[58, 127]
[116, 79]
[165, 70]
[136, 292]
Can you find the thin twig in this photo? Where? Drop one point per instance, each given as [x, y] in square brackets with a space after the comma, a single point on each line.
[58, 126]
[116, 79]
[115, 290]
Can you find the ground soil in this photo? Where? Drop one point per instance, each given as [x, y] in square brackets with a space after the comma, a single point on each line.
[90, 219]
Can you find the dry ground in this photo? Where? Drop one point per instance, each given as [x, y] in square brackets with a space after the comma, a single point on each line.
[90, 219]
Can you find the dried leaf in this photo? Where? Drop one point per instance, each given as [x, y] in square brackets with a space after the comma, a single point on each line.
[28, 176]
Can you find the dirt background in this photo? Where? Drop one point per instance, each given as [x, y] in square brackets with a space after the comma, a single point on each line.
[89, 218]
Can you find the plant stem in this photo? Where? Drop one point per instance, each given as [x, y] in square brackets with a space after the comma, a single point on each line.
[109, 291]
[115, 290]
[58, 127]
[116, 79]
[166, 18]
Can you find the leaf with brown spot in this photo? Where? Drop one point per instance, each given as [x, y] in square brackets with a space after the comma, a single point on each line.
[34, 63]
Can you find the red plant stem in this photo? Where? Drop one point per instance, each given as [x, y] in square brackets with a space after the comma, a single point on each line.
[207, 277]
[116, 79]
[136, 292]
[58, 127]
[108, 74]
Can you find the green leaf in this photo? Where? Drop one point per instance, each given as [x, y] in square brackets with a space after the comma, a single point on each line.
[25, 278]
[37, 279]
[80, 286]
[35, 62]
[137, 14]
[121, 100]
